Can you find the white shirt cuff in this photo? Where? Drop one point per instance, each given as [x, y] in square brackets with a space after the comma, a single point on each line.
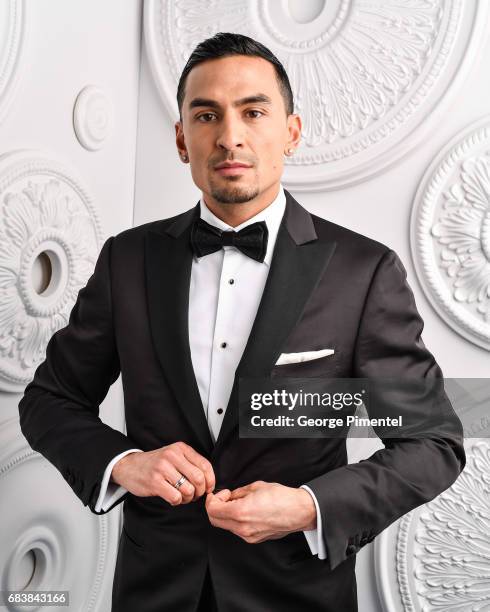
[110, 492]
[314, 537]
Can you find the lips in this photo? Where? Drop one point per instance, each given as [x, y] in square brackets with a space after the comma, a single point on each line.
[231, 169]
[233, 165]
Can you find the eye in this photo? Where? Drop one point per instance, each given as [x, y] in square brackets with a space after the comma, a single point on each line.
[256, 111]
[205, 115]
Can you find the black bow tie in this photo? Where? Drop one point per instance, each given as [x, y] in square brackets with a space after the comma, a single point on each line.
[251, 240]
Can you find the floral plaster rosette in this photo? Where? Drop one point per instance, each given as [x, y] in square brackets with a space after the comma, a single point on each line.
[12, 37]
[435, 558]
[367, 76]
[451, 233]
[45, 212]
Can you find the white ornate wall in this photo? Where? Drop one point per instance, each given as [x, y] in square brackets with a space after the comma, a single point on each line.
[394, 99]
[68, 117]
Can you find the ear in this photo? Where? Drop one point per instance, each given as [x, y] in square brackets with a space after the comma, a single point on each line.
[180, 139]
[294, 131]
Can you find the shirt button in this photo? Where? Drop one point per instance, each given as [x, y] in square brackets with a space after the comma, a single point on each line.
[220, 411]
[223, 345]
[231, 281]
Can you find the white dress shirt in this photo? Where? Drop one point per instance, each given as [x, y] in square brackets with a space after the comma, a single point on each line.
[225, 291]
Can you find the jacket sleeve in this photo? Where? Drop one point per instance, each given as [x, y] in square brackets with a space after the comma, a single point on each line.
[59, 411]
[359, 500]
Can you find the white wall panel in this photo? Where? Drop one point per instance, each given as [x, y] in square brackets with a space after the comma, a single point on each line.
[69, 74]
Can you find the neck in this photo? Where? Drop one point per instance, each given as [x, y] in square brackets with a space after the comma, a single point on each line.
[235, 214]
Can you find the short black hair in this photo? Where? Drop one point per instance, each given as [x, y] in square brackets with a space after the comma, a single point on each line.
[224, 44]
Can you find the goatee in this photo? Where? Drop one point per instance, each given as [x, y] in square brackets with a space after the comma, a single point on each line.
[234, 195]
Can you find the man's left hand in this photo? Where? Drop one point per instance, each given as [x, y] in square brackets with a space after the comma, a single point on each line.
[262, 511]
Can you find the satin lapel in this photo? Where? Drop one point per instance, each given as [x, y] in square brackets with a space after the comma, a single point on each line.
[298, 263]
[168, 263]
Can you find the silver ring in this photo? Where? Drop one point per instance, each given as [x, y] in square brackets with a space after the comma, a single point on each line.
[180, 482]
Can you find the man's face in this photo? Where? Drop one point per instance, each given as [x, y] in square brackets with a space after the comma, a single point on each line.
[233, 111]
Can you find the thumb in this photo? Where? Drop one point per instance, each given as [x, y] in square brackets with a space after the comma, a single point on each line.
[223, 495]
[240, 492]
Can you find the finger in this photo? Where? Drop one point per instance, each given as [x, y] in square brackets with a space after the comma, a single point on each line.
[227, 510]
[211, 499]
[172, 476]
[224, 494]
[223, 523]
[241, 530]
[240, 492]
[203, 464]
[231, 526]
[169, 493]
[221, 496]
[194, 474]
[246, 489]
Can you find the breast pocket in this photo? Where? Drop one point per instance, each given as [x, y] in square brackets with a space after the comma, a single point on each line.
[323, 367]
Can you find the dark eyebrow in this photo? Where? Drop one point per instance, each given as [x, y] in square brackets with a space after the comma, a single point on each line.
[259, 98]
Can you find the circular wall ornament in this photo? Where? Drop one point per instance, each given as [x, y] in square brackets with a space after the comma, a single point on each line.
[50, 540]
[47, 218]
[450, 233]
[93, 117]
[12, 35]
[436, 557]
[366, 76]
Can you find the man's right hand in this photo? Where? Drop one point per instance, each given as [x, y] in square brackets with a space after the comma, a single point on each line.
[154, 473]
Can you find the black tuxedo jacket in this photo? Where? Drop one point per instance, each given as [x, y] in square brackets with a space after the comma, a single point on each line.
[327, 287]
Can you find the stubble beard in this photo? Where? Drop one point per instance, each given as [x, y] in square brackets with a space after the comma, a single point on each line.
[233, 194]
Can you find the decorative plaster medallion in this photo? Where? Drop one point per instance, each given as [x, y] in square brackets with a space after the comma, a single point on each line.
[367, 76]
[50, 540]
[93, 117]
[450, 233]
[12, 34]
[44, 210]
[438, 553]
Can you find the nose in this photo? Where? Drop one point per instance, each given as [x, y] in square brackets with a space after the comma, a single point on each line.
[230, 133]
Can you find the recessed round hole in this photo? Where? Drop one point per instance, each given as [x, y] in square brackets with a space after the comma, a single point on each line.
[305, 12]
[26, 569]
[46, 273]
[40, 568]
[42, 273]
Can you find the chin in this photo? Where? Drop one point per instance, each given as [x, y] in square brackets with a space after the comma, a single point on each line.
[232, 190]
[234, 195]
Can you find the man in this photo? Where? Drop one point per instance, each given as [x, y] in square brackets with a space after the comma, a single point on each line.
[185, 307]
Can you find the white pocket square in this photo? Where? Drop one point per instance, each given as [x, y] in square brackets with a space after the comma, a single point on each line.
[305, 356]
